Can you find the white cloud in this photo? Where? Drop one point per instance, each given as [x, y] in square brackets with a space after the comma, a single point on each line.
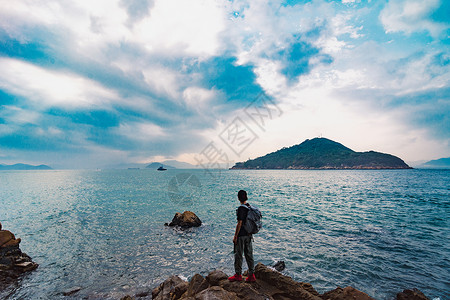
[51, 88]
[198, 98]
[410, 16]
[17, 115]
[182, 27]
[163, 80]
[143, 131]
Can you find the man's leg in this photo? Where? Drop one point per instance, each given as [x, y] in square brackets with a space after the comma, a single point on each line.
[238, 250]
[248, 252]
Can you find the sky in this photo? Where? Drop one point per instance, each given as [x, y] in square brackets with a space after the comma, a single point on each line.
[90, 84]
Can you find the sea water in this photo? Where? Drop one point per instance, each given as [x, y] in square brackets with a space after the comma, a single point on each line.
[102, 232]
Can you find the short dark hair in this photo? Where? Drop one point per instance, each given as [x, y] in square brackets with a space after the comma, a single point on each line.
[242, 196]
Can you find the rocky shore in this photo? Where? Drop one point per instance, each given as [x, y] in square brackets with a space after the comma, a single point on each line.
[13, 262]
[270, 285]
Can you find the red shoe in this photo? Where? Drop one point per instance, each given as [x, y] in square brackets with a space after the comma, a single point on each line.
[235, 277]
[251, 278]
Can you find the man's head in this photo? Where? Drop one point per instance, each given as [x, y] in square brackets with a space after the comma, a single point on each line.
[242, 196]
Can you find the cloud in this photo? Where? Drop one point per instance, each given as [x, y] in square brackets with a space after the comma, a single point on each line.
[137, 9]
[47, 88]
[182, 27]
[413, 16]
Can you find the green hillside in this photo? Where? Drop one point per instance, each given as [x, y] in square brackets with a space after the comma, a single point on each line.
[322, 153]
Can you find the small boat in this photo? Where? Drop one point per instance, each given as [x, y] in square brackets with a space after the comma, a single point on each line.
[161, 169]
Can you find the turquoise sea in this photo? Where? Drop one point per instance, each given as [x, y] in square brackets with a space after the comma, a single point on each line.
[103, 231]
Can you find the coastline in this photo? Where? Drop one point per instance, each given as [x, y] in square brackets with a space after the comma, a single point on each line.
[270, 285]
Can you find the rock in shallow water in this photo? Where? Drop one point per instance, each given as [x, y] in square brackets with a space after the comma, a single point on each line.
[413, 294]
[13, 261]
[185, 220]
[279, 266]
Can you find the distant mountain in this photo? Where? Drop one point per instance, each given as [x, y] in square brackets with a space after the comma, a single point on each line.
[442, 163]
[179, 164]
[24, 167]
[156, 165]
[322, 153]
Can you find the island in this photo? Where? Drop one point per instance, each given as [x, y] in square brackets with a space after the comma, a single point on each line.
[322, 153]
[24, 167]
[442, 163]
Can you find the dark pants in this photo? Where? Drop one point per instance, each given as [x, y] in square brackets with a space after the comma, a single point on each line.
[244, 245]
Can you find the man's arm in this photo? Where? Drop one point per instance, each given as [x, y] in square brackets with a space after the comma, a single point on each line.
[238, 228]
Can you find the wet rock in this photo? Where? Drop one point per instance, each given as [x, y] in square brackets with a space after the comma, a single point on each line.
[180, 289]
[289, 287]
[7, 239]
[413, 294]
[348, 293]
[13, 261]
[196, 285]
[185, 220]
[215, 277]
[279, 266]
[143, 293]
[166, 290]
[72, 291]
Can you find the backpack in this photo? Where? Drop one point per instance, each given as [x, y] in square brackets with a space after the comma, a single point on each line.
[253, 223]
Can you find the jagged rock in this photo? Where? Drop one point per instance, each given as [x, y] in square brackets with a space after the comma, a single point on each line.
[216, 293]
[244, 290]
[196, 285]
[166, 290]
[289, 287]
[185, 220]
[12, 260]
[270, 285]
[348, 293]
[180, 289]
[279, 266]
[215, 277]
[7, 239]
[413, 294]
[72, 291]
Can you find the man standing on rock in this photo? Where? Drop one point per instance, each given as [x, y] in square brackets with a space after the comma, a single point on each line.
[242, 242]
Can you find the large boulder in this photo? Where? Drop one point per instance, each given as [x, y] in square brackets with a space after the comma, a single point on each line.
[196, 285]
[172, 288]
[288, 287]
[13, 261]
[185, 220]
[7, 238]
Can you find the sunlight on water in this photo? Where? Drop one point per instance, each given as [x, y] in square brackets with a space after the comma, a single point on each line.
[378, 231]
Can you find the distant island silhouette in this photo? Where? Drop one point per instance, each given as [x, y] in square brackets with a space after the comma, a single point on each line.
[24, 167]
[441, 163]
[322, 153]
